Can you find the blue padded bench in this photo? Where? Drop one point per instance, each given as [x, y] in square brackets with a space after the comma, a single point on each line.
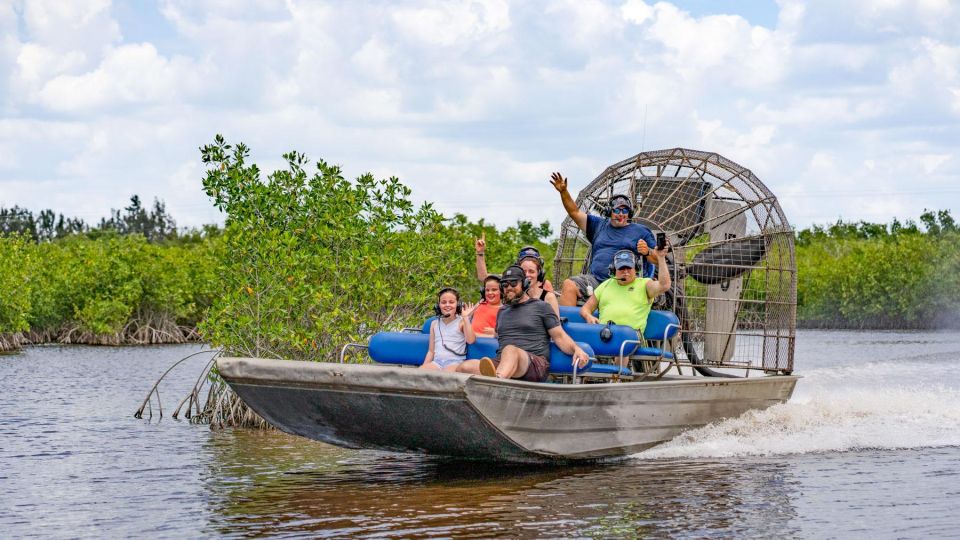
[409, 349]
[661, 325]
[657, 323]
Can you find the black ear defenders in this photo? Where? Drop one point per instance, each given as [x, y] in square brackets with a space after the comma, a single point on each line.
[483, 286]
[608, 209]
[530, 252]
[436, 307]
[637, 264]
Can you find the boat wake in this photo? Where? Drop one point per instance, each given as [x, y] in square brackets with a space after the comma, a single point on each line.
[828, 415]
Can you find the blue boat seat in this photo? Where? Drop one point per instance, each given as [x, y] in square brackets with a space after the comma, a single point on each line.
[426, 325]
[572, 314]
[609, 370]
[661, 326]
[409, 349]
[658, 322]
[590, 333]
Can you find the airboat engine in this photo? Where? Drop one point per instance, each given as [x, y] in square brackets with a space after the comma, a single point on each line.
[733, 265]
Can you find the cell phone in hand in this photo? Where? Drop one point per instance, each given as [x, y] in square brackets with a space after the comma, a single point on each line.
[661, 240]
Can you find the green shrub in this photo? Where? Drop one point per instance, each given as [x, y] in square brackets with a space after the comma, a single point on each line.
[16, 255]
[311, 261]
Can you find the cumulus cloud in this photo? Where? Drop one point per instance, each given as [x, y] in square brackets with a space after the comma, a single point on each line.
[471, 99]
[129, 74]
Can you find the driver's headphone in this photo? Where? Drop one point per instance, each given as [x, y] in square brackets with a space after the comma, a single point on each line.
[456, 293]
[530, 252]
[637, 263]
[608, 209]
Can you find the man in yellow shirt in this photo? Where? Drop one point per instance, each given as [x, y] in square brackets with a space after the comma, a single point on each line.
[626, 299]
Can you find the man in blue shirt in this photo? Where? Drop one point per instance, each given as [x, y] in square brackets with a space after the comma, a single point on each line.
[606, 236]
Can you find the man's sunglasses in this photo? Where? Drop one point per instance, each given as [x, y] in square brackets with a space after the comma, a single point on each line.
[510, 282]
[621, 210]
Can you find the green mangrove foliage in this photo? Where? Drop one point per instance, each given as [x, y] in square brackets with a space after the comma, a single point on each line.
[312, 261]
[306, 265]
[15, 285]
[107, 290]
[308, 261]
[868, 275]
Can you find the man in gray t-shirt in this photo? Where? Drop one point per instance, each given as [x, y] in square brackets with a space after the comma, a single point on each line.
[525, 327]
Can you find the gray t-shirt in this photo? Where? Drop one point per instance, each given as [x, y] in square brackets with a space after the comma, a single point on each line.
[525, 326]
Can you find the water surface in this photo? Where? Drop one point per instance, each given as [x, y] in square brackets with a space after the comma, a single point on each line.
[869, 447]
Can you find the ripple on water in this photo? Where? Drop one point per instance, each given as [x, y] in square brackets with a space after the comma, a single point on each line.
[80, 465]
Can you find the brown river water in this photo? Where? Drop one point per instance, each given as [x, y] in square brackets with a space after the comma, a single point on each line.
[869, 447]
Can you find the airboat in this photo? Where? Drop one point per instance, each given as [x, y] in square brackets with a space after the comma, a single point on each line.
[718, 344]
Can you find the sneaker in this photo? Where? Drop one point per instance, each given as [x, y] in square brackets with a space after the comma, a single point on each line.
[487, 368]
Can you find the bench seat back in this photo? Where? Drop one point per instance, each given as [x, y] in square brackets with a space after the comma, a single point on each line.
[409, 349]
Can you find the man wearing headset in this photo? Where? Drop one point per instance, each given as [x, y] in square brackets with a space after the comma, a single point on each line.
[525, 327]
[606, 236]
[624, 299]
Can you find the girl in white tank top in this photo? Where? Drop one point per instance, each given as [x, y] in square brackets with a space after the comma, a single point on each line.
[449, 333]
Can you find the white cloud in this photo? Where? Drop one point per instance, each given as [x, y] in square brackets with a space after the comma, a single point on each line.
[636, 11]
[84, 26]
[474, 103]
[130, 74]
[453, 23]
[37, 63]
[716, 48]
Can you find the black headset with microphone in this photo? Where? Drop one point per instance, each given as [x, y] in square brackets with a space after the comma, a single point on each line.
[608, 208]
[483, 286]
[530, 252]
[637, 263]
[514, 269]
[456, 293]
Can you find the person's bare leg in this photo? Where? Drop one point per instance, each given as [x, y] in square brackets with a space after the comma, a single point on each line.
[514, 362]
[568, 293]
[469, 366]
[452, 369]
[430, 365]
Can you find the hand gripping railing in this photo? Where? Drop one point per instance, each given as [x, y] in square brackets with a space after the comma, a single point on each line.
[575, 365]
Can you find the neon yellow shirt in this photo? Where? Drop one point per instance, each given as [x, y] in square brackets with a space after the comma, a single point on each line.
[624, 304]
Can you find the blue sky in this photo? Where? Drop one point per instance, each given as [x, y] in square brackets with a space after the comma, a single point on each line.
[845, 110]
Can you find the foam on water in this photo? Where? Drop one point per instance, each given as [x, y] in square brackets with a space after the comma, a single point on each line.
[829, 418]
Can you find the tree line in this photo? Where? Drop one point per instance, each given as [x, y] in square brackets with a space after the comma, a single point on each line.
[155, 224]
[308, 260]
[874, 275]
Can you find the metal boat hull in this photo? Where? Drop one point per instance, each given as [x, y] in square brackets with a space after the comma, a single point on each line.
[451, 414]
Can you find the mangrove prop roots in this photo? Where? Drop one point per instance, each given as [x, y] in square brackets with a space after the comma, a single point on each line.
[155, 331]
[11, 341]
[222, 407]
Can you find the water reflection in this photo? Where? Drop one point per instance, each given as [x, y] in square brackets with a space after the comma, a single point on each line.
[270, 482]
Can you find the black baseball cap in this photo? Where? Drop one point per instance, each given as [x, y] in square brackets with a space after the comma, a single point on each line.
[513, 273]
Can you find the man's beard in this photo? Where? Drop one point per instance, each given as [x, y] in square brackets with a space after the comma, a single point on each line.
[514, 300]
